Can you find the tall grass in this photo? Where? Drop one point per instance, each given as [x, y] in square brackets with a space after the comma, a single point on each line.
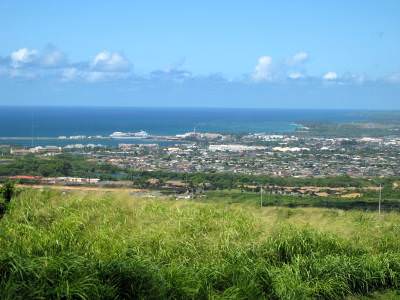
[115, 246]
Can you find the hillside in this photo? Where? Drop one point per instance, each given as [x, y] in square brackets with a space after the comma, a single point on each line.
[112, 245]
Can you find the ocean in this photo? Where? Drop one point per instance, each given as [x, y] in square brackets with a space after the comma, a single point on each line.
[33, 126]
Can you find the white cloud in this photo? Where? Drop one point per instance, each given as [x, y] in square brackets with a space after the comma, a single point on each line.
[298, 58]
[75, 74]
[263, 70]
[95, 76]
[69, 74]
[104, 66]
[110, 62]
[52, 58]
[23, 56]
[295, 75]
[330, 76]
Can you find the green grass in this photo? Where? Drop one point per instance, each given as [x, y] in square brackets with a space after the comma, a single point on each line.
[114, 246]
[363, 203]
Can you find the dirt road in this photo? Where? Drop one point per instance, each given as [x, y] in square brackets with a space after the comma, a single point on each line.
[82, 188]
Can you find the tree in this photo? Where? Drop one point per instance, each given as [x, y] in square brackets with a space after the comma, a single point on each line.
[7, 191]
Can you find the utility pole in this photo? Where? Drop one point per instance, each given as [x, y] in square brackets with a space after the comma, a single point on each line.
[380, 198]
[261, 197]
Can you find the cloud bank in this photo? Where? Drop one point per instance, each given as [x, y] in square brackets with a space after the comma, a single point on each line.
[108, 77]
[53, 64]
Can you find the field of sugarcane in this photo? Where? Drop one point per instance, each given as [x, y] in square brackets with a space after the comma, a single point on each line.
[98, 245]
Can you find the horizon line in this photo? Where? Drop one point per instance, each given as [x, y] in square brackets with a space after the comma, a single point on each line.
[197, 107]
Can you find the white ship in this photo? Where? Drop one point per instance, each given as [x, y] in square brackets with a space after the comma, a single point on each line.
[129, 135]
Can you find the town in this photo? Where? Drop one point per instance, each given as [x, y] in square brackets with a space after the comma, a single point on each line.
[251, 154]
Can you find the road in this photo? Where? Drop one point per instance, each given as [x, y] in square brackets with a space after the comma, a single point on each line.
[82, 188]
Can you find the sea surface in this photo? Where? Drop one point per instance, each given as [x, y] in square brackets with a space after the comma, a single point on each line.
[33, 126]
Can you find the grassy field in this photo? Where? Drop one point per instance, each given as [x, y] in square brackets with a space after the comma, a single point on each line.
[110, 245]
[363, 203]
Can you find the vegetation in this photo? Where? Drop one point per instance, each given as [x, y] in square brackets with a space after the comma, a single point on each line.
[77, 166]
[79, 245]
[373, 128]
[232, 181]
[7, 191]
[74, 165]
[60, 165]
[367, 202]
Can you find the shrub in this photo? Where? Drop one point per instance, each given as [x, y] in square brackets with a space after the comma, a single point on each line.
[7, 191]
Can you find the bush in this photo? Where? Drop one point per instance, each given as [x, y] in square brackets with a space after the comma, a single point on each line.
[7, 191]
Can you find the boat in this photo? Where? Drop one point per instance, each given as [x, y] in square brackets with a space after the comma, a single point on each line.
[129, 135]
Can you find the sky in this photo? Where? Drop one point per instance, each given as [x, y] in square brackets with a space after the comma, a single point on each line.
[342, 54]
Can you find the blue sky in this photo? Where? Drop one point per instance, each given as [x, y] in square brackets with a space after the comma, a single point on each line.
[287, 54]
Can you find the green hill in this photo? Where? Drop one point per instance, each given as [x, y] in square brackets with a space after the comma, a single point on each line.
[81, 245]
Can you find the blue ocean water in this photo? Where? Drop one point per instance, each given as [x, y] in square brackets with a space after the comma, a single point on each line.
[34, 122]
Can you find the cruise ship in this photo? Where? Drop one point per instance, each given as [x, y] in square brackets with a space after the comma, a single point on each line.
[129, 135]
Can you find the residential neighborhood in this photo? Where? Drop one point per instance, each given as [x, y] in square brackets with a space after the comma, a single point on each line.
[253, 154]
